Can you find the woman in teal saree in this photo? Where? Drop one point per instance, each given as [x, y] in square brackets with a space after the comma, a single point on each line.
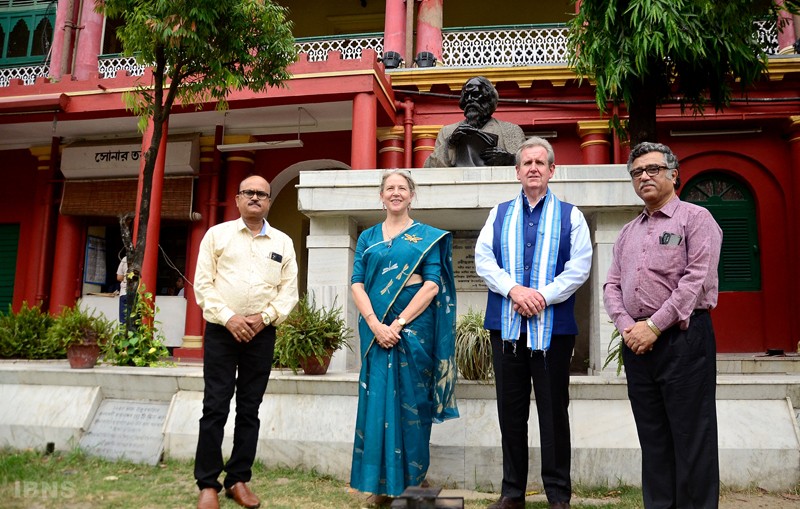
[403, 287]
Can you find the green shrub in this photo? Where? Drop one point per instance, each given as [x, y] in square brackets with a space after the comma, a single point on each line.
[473, 348]
[139, 343]
[23, 335]
[308, 332]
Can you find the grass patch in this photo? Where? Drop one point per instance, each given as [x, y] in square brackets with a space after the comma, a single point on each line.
[73, 480]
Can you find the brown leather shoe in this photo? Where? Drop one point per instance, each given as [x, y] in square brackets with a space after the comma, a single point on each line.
[242, 495]
[559, 505]
[208, 499]
[508, 503]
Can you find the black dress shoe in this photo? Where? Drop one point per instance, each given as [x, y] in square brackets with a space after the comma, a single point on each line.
[559, 505]
[508, 503]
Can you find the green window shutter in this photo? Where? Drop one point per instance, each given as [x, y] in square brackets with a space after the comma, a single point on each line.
[733, 207]
[9, 244]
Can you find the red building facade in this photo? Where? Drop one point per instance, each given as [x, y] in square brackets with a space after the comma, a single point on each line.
[374, 83]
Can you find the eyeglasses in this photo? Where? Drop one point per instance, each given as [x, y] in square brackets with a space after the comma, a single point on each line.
[249, 193]
[651, 169]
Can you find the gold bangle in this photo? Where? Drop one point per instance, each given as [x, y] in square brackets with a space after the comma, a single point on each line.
[653, 327]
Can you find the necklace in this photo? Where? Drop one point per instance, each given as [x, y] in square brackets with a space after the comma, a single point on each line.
[390, 238]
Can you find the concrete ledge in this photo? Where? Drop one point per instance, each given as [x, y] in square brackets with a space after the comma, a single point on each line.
[35, 415]
[308, 421]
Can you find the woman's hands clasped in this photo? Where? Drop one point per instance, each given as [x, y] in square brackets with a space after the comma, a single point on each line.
[385, 335]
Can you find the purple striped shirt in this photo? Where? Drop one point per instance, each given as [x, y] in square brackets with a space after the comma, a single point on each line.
[658, 276]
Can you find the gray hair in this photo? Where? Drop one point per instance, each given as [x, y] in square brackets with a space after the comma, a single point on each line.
[646, 147]
[535, 141]
[412, 186]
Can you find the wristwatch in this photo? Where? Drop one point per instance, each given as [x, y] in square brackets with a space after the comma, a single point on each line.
[401, 321]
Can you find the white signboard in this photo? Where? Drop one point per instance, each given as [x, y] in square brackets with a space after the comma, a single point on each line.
[124, 160]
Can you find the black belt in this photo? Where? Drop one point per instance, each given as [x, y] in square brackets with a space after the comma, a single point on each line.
[696, 312]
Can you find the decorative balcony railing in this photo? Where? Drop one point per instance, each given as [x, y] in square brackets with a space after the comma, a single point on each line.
[511, 46]
[109, 65]
[27, 74]
[504, 47]
[350, 46]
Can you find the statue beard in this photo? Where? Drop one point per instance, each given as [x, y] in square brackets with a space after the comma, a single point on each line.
[476, 115]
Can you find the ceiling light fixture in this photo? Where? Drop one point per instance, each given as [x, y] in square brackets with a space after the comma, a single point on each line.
[264, 145]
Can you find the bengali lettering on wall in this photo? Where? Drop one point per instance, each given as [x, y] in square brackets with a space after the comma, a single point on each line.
[467, 280]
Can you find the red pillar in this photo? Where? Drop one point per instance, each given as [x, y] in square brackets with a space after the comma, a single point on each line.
[40, 251]
[595, 145]
[89, 41]
[363, 144]
[424, 141]
[394, 30]
[67, 272]
[239, 165]
[63, 38]
[192, 347]
[391, 152]
[794, 225]
[786, 35]
[429, 28]
[150, 263]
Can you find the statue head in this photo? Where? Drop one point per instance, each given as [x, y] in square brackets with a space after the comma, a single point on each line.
[478, 100]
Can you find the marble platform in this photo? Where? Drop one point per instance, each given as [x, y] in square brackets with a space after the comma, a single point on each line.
[308, 422]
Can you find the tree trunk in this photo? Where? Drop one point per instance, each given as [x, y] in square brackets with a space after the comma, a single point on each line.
[642, 112]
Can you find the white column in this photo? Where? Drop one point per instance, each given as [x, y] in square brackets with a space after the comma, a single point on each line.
[607, 227]
[331, 247]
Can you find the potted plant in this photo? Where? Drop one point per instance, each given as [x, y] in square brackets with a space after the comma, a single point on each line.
[309, 336]
[473, 348]
[82, 333]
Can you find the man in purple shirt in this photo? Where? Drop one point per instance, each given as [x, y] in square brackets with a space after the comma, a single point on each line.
[661, 284]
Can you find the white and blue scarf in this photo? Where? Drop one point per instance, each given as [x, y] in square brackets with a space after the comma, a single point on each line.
[543, 272]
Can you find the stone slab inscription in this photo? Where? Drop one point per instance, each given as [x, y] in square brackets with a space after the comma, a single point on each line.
[464, 265]
[130, 430]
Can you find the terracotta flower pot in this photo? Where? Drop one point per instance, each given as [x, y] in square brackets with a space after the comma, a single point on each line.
[312, 366]
[83, 356]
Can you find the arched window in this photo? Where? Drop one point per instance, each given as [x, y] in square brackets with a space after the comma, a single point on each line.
[42, 38]
[733, 207]
[26, 32]
[18, 40]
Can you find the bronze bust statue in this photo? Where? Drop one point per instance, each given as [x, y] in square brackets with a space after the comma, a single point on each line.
[480, 139]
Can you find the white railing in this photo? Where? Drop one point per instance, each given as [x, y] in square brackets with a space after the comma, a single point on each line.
[109, 66]
[510, 47]
[27, 74]
[350, 47]
[487, 47]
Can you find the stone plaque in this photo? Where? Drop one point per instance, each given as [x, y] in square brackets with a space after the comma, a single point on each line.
[130, 430]
[467, 280]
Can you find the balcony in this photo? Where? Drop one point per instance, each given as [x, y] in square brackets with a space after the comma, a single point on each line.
[506, 46]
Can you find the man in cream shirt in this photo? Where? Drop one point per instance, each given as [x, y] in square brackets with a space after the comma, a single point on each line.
[246, 284]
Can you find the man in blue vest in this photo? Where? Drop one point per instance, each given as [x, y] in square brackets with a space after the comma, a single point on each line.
[534, 252]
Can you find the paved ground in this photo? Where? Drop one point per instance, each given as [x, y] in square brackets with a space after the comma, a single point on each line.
[729, 500]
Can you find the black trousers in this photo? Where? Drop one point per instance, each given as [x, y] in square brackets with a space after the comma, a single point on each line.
[672, 390]
[514, 372]
[223, 356]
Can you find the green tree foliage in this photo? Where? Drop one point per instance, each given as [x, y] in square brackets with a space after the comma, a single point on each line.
[199, 50]
[645, 52]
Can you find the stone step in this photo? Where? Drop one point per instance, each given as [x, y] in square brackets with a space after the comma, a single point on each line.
[307, 422]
